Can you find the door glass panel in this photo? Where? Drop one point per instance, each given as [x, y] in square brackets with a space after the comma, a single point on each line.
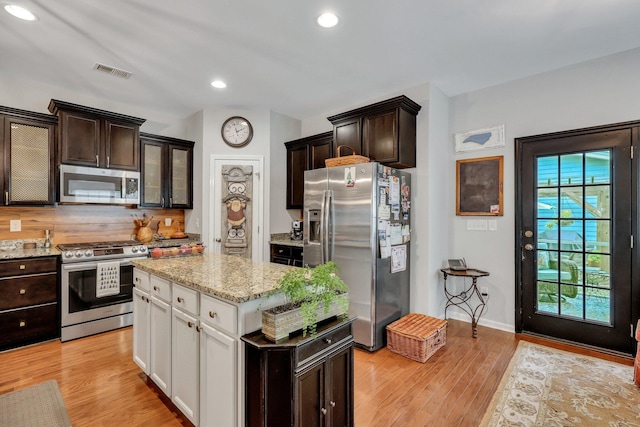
[179, 179]
[573, 242]
[152, 174]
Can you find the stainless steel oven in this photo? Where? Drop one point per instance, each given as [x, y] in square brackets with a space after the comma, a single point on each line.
[97, 287]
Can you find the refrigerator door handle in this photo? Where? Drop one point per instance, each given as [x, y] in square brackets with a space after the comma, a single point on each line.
[324, 225]
[328, 223]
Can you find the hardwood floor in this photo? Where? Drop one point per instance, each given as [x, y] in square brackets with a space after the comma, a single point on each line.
[102, 386]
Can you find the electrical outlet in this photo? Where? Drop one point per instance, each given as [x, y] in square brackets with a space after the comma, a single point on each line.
[167, 222]
[15, 225]
[484, 291]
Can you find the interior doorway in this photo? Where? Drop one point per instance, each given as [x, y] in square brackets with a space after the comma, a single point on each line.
[576, 201]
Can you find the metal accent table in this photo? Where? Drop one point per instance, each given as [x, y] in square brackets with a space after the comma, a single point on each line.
[462, 299]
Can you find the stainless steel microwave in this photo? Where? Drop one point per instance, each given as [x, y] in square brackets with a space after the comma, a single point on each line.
[79, 184]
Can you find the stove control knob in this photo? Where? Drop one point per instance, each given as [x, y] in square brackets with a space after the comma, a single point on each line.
[78, 253]
[88, 252]
[143, 249]
[134, 249]
[68, 254]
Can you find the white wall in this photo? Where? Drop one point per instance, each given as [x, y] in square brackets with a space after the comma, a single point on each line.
[593, 93]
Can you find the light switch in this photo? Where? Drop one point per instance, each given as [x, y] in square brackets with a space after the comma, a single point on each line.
[477, 224]
[15, 225]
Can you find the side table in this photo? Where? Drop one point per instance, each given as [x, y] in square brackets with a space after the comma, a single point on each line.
[462, 299]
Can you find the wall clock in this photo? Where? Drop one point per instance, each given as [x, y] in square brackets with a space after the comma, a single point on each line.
[237, 131]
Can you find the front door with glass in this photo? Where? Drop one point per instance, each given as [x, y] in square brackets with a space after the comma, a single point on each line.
[575, 236]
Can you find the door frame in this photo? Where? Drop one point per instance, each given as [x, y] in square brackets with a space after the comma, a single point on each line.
[257, 161]
[635, 217]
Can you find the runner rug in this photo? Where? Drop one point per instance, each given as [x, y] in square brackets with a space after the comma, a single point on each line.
[547, 387]
[36, 406]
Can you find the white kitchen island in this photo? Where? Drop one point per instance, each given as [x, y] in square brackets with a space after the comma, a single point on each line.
[189, 315]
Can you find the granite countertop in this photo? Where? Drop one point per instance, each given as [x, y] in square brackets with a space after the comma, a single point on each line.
[167, 243]
[12, 249]
[231, 278]
[285, 240]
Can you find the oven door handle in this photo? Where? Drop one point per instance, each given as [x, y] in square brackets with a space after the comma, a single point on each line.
[91, 265]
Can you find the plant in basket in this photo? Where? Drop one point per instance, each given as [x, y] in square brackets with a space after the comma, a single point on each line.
[311, 294]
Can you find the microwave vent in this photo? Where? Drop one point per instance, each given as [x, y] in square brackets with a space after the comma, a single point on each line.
[112, 70]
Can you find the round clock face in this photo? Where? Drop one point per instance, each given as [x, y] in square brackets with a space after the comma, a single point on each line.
[237, 131]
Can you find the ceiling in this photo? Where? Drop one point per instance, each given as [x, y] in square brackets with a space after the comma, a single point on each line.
[273, 55]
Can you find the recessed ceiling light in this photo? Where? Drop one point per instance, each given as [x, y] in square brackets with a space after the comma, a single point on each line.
[327, 20]
[218, 84]
[20, 12]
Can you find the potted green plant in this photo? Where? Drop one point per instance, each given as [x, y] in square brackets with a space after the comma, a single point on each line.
[593, 260]
[311, 295]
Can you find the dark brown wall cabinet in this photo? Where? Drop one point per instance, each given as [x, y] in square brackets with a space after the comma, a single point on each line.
[28, 301]
[97, 138]
[27, 142]
[304, 154]
[287, 255]
[384, 132]
[302, 382]
[167, 172]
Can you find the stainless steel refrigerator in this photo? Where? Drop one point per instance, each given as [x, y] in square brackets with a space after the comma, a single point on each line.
[358, 216]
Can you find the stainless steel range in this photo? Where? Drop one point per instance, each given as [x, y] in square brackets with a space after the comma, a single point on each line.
[97, 286]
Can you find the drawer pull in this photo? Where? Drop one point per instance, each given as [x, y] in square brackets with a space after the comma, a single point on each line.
[327, 340]
[212, 314]
[23, 291]
[23, 323]
[190, 324]
[180, 299]
[23, 267]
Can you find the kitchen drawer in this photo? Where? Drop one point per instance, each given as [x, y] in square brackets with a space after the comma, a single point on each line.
[160, 288]
[324, 343]
[185, 299]
[141, 279]
[219, 314]
[281, 251]
[27, 266]
[28, 325]
[24, 291]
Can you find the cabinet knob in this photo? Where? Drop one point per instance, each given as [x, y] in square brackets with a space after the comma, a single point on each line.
[190, 324]
[198, 328]
[137, 279]
[280, 251]
[180, 299]
[155, 288]
[23, 323]
[324, 411]
[333, 404]
[23, 267]
[328, 340]
[23, 291]
[212, 314]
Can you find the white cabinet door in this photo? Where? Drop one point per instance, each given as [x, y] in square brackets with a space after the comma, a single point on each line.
[141, 338]
[160, 333]
[218, 378]
[185, 360]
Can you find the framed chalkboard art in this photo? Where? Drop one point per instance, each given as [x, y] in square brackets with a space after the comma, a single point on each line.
[479, 186]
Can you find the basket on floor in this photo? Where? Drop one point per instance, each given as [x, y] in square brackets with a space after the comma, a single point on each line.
[352, 159]
[416, 336]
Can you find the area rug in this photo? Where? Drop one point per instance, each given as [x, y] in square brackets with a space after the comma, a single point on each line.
[36, 406]
[547, 387]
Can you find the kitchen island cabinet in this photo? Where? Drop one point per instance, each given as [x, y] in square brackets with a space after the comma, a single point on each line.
[230, 291]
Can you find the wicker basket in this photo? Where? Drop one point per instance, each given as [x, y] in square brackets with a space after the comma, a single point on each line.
[416, 336]
[352, 159]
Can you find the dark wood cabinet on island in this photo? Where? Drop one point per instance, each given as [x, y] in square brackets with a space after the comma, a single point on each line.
[167, 172]
[28, 301]
[384, 132]
[304, 154]
[97, 138]
[302, 381]
[27, 142]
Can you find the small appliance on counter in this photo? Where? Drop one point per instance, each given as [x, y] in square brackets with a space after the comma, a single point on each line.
[296, 230]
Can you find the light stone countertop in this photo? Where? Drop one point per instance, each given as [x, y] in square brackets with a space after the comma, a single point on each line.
[284, 239]
[231, 278]
[28, 253]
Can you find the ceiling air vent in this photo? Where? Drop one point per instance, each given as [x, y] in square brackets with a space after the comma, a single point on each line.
[112, 70]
